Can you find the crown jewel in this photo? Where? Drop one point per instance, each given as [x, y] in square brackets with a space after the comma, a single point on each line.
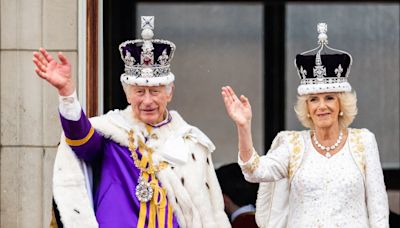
[323, 71]
[147, 60]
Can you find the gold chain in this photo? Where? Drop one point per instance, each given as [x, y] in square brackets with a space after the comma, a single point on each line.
[150, 168]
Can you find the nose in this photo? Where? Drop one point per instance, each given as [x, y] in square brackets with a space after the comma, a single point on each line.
[147, 99]
[322, 105]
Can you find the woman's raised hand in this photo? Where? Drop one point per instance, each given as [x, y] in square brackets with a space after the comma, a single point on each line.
[57, 74]
[238, 109]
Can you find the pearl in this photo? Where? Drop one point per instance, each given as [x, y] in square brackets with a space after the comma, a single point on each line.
[147, 34]
[328, 148]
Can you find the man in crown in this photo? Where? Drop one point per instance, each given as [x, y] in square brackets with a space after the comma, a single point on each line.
[155, 169]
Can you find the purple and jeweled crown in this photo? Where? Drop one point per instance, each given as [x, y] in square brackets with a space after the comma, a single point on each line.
[147, 61]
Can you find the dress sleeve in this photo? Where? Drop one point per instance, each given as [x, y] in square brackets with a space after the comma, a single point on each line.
[270, 167]
[79, 132]
[376, 196]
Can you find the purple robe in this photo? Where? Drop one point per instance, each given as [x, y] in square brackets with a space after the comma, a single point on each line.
[115, 202]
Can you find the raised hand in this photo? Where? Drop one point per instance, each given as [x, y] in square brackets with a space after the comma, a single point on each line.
[57, 74]
[238, 109]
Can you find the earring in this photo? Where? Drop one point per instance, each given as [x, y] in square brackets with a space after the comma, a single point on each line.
[340, 113]
[308, 115]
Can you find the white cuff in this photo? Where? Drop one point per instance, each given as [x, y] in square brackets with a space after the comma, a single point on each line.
[69, 107]
[253, 156]
[251, 164]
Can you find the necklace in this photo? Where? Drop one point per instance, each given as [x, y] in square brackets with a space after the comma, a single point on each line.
[328, 148]
[144, 189]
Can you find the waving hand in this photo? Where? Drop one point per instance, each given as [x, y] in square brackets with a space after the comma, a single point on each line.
[57, 74]
[238, 109]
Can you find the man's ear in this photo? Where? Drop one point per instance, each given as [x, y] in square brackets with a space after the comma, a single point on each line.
[126, 89]
[127, 97]
[229, 205]
[171, 93]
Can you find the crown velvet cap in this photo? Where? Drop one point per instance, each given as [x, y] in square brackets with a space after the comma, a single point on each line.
[147, 60]
[322, 72]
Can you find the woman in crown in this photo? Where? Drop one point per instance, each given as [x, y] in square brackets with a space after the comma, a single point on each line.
[327, 176]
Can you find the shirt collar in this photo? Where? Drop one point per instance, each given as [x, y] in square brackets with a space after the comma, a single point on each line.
[167, 120]
[241, 210]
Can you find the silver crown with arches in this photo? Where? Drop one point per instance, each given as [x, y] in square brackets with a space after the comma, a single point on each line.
[327, 70]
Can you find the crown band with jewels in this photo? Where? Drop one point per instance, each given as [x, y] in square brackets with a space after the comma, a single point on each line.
[321, 73]
[147, 61]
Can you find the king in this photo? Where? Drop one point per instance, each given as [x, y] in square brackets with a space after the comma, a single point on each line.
[151, 168]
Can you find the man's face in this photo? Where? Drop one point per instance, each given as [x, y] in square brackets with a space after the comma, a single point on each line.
[149, 103]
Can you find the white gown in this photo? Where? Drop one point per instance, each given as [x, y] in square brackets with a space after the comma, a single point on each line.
[324, 192]
[327, 192]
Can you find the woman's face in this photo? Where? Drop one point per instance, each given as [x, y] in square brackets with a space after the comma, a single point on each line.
[324, 109]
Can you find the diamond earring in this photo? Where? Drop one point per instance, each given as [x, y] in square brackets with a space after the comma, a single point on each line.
[340, 113]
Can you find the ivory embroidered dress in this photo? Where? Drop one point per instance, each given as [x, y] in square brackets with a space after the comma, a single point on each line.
[328, 192]
[346, 190]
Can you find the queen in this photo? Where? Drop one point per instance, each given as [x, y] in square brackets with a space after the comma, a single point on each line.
[326, 176]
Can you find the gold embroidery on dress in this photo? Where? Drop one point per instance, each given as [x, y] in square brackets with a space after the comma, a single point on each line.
[254, 164]
[250, 168]
[358, 148]
[295, 147]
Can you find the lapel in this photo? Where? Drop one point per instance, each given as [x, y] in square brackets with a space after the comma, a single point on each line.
[357, 148]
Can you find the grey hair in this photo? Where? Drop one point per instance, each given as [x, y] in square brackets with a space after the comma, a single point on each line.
[169, 87]
[126, 87]
[347, 103]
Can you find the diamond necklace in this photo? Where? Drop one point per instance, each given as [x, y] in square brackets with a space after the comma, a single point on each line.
[328, 148]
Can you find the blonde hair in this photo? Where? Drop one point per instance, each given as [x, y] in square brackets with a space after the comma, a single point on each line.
[347, 103]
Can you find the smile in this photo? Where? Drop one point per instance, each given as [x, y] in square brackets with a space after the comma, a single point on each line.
[323, 114]
[148, 110]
